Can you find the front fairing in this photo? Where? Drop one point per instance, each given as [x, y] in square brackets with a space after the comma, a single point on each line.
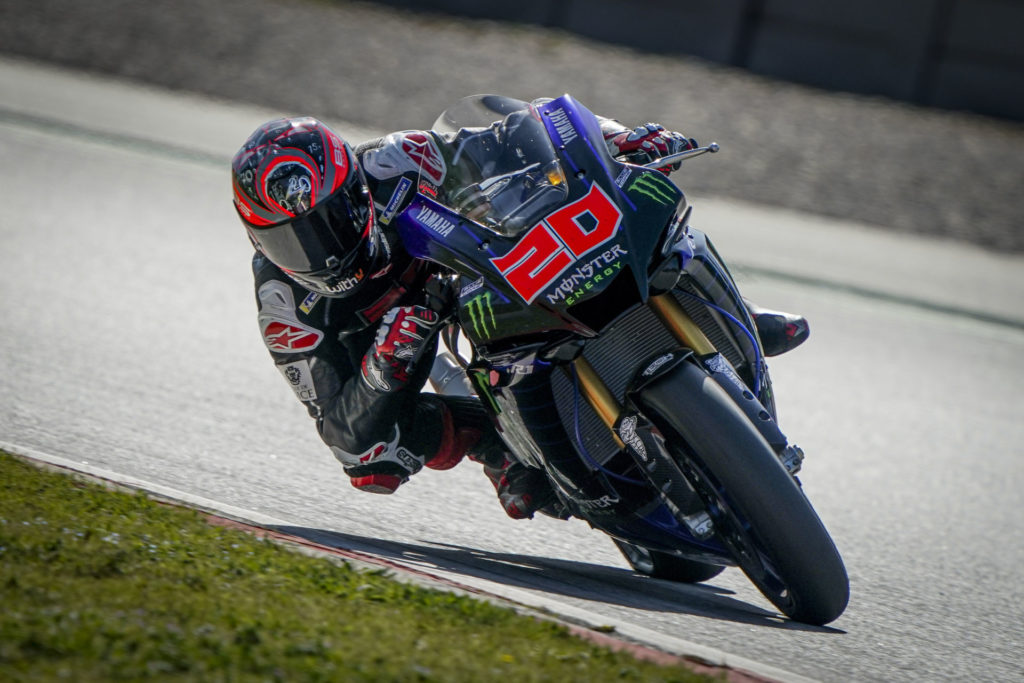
[521, 280]
[531, 289]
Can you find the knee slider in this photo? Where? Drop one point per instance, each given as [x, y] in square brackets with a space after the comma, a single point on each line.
[382, 468]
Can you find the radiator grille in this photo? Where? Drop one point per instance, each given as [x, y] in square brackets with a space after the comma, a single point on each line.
[623, 344]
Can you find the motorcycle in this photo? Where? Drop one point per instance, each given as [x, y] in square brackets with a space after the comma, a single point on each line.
[614, 351]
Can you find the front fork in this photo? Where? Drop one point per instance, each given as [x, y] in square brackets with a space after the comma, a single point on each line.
[678, 323]
[633, 433]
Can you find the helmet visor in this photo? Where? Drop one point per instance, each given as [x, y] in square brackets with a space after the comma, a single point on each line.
[324, 238]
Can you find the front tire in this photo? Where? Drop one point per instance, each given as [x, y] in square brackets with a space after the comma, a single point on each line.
[759, 511]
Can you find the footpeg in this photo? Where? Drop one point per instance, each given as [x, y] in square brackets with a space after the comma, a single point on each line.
[792, 457]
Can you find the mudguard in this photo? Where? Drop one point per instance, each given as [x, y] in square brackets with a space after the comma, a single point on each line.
[656, 368]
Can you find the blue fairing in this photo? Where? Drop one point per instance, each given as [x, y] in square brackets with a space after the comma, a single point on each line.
[566, 158]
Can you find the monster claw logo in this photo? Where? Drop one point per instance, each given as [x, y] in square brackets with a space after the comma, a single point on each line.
[655, 186]
[481, 313]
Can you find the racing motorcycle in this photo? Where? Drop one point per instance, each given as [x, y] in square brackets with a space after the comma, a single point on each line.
[613, 348]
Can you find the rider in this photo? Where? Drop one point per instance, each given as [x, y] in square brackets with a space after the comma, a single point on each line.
[341, 303]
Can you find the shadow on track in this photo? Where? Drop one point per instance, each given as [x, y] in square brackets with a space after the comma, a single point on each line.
[578, 580]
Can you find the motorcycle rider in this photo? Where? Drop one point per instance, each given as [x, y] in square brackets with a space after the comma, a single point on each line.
[342, 308]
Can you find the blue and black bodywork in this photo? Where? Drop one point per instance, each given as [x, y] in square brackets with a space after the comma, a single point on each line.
[573, 282]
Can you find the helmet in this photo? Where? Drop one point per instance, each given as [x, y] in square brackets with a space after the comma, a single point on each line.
[303, 199]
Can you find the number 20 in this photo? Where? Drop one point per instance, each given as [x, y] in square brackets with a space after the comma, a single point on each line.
[554, 244]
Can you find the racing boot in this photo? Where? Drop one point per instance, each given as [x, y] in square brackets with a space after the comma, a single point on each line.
[779, 332]
[521, 490]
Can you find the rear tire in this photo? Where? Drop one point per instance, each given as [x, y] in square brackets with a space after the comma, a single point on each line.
[758, 510]
[664, 566]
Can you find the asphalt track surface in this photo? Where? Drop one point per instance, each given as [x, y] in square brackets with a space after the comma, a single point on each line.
[129, 345]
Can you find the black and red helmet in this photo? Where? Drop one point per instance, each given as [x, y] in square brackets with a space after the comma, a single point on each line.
[302, 196]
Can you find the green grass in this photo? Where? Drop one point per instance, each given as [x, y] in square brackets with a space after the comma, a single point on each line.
[102, 585]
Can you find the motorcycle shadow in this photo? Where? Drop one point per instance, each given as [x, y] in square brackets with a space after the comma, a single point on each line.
[567, 578]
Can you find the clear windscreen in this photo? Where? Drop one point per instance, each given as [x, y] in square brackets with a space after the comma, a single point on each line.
[504, 172]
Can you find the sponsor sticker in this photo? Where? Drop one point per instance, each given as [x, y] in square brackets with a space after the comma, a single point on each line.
[563, 126]
[435, 221]
[602, 503]
[627, 432]
[654, 186]
[396, 200]
[481, 313]
[300, 378]
[410, 461]
[555, 244]
[657, 363]
[346, 284]
[717, 363]
[472, 287]
[586, 276]
[309, 302]
[623, 176]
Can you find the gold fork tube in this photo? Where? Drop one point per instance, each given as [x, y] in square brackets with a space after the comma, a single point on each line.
[597, 394]
[679, 323]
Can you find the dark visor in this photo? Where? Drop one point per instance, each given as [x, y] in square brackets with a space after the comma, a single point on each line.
[332, 228]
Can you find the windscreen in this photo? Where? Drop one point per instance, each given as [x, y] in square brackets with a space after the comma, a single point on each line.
[504, 172]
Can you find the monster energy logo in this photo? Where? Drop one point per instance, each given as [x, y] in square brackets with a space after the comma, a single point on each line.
[481, 312]
[655, 186]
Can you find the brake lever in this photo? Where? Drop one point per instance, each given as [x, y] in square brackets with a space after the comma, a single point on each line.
[662, 162]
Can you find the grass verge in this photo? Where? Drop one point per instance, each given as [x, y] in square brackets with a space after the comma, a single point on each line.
[103, 585]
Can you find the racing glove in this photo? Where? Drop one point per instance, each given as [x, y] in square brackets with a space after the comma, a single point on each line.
[403, 332]
[646, 143]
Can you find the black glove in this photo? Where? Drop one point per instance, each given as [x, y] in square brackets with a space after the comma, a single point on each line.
[402, 333]
[649, 142]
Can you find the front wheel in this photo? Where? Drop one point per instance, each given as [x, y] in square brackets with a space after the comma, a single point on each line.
[758, 510]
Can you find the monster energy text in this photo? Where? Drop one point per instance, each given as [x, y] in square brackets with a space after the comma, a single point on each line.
[481, 313]
[587, 275]
[655, 186]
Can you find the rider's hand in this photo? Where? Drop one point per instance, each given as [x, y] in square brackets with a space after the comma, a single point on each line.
[402, 333]
[649, 142]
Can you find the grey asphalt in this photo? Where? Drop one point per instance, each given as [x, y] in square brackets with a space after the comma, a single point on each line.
[888, 165]
[129, 344]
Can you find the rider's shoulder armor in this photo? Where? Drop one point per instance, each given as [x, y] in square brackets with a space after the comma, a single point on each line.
[416, 152]
[292, 319]
[286, 308]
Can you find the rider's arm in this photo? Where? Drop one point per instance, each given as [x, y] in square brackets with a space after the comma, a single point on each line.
[321, 370]
[371, 432]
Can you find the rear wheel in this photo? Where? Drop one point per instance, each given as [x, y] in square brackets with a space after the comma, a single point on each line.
[664, 566]
[758, 510]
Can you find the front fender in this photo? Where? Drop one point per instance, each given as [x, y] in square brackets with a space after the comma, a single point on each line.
[659, 368]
